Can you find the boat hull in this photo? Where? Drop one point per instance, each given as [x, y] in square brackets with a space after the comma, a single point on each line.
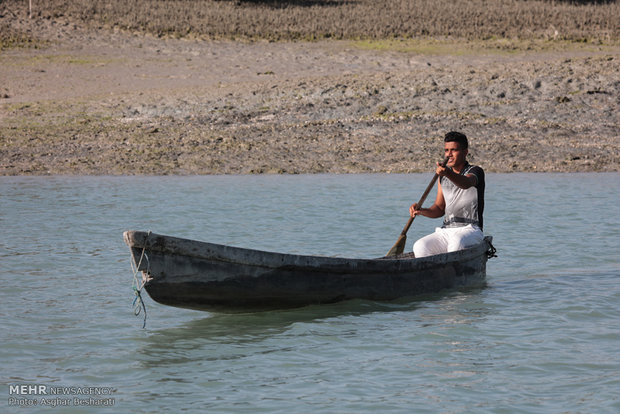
[206, 276]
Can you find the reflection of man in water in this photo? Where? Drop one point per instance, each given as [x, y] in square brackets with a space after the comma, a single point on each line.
[460, 198]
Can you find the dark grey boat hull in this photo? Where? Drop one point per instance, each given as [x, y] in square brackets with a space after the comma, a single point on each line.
[205, 276]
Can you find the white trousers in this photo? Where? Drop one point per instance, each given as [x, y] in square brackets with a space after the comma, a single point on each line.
[448, 240]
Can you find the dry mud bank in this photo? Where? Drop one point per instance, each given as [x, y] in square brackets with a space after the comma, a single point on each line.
[114, 103]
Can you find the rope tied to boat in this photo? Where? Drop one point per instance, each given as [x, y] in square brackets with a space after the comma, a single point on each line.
[491, 251]
[138, 283]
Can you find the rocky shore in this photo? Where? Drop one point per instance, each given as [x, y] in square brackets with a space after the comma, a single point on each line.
[99, 103]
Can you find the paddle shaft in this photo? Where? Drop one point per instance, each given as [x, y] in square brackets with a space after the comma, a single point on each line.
[429, 187]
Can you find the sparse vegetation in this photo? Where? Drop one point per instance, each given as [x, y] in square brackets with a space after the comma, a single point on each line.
[11, 37]
[575, 21]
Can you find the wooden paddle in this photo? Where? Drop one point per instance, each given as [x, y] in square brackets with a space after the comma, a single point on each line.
[399, 246]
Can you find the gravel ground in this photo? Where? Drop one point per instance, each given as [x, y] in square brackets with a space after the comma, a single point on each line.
[99, 103]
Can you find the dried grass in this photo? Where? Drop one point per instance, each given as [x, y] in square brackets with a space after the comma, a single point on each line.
[581, 21]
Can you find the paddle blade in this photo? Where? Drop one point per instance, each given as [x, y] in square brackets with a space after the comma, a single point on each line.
[399, 246]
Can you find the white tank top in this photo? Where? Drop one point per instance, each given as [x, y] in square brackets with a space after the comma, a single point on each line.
[464, 207]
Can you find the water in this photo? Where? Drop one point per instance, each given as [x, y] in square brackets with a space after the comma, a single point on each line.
[542, 337]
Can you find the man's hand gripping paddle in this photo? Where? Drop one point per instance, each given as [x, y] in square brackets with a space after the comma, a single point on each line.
[399, 246]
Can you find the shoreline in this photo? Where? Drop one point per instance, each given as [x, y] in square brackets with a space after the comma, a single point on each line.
[429, 173]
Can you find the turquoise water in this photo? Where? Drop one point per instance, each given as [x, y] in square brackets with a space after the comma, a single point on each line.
[542, 337]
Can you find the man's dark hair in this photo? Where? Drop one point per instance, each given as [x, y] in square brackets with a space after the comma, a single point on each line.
[458, 137]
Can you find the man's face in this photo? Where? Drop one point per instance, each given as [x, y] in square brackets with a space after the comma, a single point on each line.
[455, 153]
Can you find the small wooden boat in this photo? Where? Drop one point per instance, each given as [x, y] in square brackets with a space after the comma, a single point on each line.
[213, 277]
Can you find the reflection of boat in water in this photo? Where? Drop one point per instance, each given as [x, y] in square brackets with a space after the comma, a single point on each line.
[213, 277]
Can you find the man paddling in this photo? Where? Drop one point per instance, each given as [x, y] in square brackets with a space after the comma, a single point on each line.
[460, 200]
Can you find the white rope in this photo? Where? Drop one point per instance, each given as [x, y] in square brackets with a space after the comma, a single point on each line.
[138, 285]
